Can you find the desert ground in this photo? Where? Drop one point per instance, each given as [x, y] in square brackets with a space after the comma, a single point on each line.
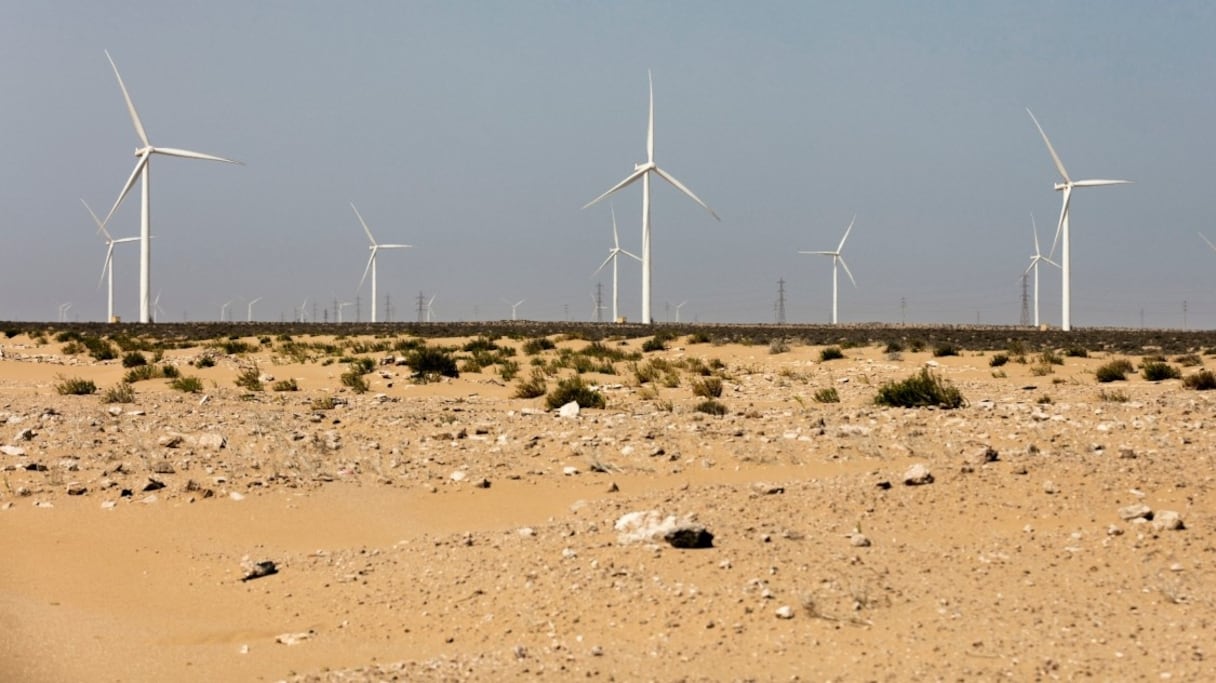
[1053, 527]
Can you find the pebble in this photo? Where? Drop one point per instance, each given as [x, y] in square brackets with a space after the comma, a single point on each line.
[918, 475]
[12, 450]
[785, 612]
[1168, 520]
[1135, 511]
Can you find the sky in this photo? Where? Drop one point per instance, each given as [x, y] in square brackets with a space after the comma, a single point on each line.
[476, 131]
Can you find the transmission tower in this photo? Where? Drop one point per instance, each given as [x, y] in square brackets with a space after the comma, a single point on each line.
[781, 301]
[1025, 320]
[599, 302]
[388, 309]
[358, 309]
[421, 308]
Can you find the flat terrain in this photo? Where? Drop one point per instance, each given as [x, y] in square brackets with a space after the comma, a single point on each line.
[447, 530]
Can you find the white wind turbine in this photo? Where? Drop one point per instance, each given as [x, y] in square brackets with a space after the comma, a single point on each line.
[613, 254]
[1035, 259]
[837, 259]
[341, 305]
[249, 309]
[514, 307]
[107, 269]
[371, 260]
[156, 309]
[142, 169]
[678, 307]
[224, 310]
[63, 312]
[430, 309]
[643, 171]
[1205, 239]
[1062, 228]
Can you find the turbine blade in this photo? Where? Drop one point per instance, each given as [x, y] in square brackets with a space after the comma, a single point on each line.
[101, 228]
[1033, 262]
[1100, 183]
[840, 248]
[680, 186]
[597, 270]
[616, 240]
[106, 265]
[1044, 259]
[128, 239]
[395, 246]
[366, 268]
[628, 179]
[1205, 239]
[139, 126]
[364, 224]
[632, 255]
[823, 253]
[846, 269]
[174, 152]
[1054, 157]
[1060, 224]
[1034, 230]
[650, 123]
[139, 167]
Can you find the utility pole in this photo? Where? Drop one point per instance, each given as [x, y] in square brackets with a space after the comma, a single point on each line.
[314, 312]
[388, 309]
[566, 310]
[421, 308]
[599, 302]
[358, 310]
[903, 310]
[781, 301]
[1184, 314]
[1025, 303]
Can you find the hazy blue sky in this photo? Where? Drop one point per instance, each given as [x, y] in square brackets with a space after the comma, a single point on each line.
[476, 131]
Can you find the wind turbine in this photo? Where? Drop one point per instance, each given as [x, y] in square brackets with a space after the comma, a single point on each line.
[1205, 239]
[1062, 228]
[837, 259]
[371, 261]
[678, 307]
[63, 312]
[430, 310]
[143, 170]
[514, 307]
[613, 254]
[158, 311]
[304, 311]
[224, 310]
[249, 309]
[108, 267]
[643, 171]
[1037, 258]
[341, 305]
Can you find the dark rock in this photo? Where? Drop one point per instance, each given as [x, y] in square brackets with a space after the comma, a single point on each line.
[35, 467]
[884, 485]
[163, 467]
[264, 568]
[691, 536]
[153, 485]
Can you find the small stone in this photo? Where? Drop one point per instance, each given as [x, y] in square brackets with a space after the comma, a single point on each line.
[765, 489]
[293, 638]
[257, 571]
[690, 536]
[918, 475]
[26, 434]
[1135, 511]
[1127, 452]
[163, 467]
[569, 470]
[571, 409]
[458, 475]
[1049, 487]
[170, 441]
[212, 441]
[859, 540]
[12, 450]
[75, 489]
[1168, 520]
[153, 485]
[236, 496]
[482, 483]
[785, 612]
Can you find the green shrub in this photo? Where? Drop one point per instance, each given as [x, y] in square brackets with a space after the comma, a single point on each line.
[655, 343]
[140, 373]
[707, 387]
[1203, 380]
[326, 402]
[778, 345]
[72, 348]
[119, 393]
[1050, 357]
[1155, 371]
[507, 370]
[188, 384]
[1114, 371]
[250, 379]
[285, 385]
[830, 353]
[1189, 360]
[134, 359]
[235, 346]
[354, 379]
[169, 371]
[573, 389]
[712, 407]
[1114, 396]
[1076, 352]
[533, 386]
[75, 386]
[537, 344]
[480, 344]
[894, 346]
[205, 361]
[429, 361]
[827, 395]
[698, 338]
[920, 390]
[998, 360]
[945, 349]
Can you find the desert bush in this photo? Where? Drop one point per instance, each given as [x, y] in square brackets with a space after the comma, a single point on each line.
[778, 345]
[1049, 357]
[285, 385]
[205, 361]
[712, 407]
[1043, 400]
[1203, 380]
[1113, 396]
[323, 403]
[920, 390]
[1155, 372]
[235, 346]
[945, 349]
[72, 348]
[533, 386]
[894, 346]
[998, 360]
[655, 343]
[827, 395]
[707, 387]
[1076, 352]
[507, 370]
[134, 359]
[574, 389]
[1189, 360]
[698, 338]
[479, 344]
[1114, 371]
[250, 379]
[119, 393]
[535, 345]
[188, 384]
[169, 371]
[354, 380]
[75, 386]
[830, 353]
[1041, 369]
[431, 361]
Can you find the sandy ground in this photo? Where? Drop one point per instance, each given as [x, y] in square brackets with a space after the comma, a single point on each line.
[449, 531]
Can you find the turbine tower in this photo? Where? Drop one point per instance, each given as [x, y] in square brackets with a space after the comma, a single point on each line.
[143, 170]
[514, 307]
[249, 309]
[1062, 227]
[1037, 258]
[644, 171]
[837, 259]
[613, 254]
[108, 267]
[371, 260]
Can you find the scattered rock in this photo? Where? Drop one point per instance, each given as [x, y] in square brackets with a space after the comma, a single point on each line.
[918, 475]
[859, 540]
[785, 612]
[212, 441]
[12, 450]
[767, 489]
[569, 410]
[1168, 520]
[163, 467]
[1049, 487]
[153, 485]
[260, 569]
[77, 489]
[1135, 511]
[294, 638]
[170, 441]
[690, 536]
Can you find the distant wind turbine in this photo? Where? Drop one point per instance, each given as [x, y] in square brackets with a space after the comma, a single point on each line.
[249, 309]
[678, 307]
[143, 169]
[514, 307]
[837, 259]
[107, 269]
[613, 254]
[1205, 239]
[430, 307]
[371, 260]
[224, 310]
[1062, 228]
[643, 171]
[1037, 258]
[304, 317]
[63, 312]
[157, 310]
[342, 305]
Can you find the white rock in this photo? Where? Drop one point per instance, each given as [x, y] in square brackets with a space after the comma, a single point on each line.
[785, 612]
[1135, 511]
[569, 470]
[458, 475]
[293, 638]
[918, 475]
[12, 450]
[644, 526]
[212, 441]
[569, 410]
[1168, 520]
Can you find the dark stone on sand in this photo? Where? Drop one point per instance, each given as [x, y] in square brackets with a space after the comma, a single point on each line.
[690, 537]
